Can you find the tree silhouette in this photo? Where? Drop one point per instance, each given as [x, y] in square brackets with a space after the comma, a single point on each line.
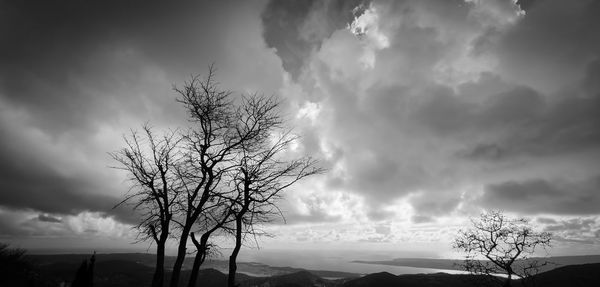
[262, 174]
[190, 184]
[497, 244]
[223, 128]
[209, 146]
[85, 274]
[15, 269]
[153, 167]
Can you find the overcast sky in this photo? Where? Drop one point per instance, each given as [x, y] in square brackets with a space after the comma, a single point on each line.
[425, 112]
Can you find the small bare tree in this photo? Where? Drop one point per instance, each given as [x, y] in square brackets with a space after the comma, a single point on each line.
[263, 172]
[152, 164]
[497, 244]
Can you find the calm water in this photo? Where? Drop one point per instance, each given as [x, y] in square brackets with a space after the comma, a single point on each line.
[331, 261]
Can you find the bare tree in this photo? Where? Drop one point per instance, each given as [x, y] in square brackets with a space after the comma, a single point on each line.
[220, 130]
[497, 244]
[208, 145]
[195, 180]
[263, 172]
[152, 164]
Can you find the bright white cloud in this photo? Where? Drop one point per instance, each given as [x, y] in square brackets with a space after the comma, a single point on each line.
[366, 27]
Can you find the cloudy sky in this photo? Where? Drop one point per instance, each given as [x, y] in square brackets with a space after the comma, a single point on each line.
[424, 112]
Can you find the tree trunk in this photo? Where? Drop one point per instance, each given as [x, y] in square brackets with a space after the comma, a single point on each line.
[181, 250]
[199, 258]
[508, 280]
[235, 252]
[187, 228]
[159, 271]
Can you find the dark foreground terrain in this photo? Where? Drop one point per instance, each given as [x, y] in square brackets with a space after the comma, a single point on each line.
[136, 270]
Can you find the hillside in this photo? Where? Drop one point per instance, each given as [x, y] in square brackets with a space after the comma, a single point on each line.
[573, 275]
[384, 279]
[297, 279]
[250, 268]
[110, 271]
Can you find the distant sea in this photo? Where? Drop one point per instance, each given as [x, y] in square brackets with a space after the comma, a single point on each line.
[337, 260]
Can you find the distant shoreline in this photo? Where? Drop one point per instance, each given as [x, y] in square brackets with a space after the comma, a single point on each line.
[454, 264]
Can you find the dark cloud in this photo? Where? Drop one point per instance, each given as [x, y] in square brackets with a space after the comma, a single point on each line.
[515, 107]
[31, 179]
[569, 125]
[445, 113]
[421, 219]
[281, 20]
[74, 65]
[78, 75]
[9, 227]
[559, 61]
[28, 182]
[448, 113]
[48, 218]
[526, 4]
[44, 190]
[297, 28]
[484, 151]
[57, 48]
[519, 121]
[544, 196]
[426, 205]
[552, 44]
[312, 217]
